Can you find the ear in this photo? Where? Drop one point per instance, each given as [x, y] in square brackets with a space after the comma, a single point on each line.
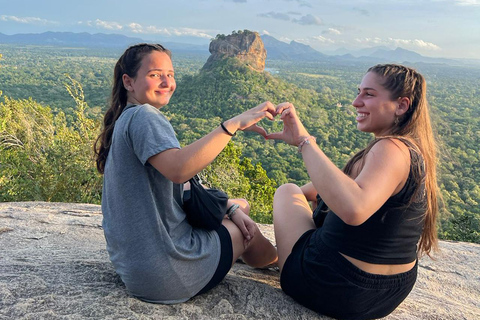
[127, 82]
[403, 106]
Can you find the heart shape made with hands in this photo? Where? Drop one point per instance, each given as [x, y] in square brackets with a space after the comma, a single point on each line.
[282, 110]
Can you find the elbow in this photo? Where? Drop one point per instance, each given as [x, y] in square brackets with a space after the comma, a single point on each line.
[177, 178]
[353, 216]
[352, 221]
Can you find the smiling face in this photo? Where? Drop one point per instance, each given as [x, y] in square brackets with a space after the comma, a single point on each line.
[154, 82]
[376, 112]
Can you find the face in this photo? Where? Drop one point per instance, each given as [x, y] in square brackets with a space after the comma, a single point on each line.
[154, 83]
[376, 111]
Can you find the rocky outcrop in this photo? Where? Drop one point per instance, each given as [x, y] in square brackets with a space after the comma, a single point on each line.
[246, 46]
[53, 265]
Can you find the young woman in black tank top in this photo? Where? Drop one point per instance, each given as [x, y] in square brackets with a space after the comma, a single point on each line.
[358, 258]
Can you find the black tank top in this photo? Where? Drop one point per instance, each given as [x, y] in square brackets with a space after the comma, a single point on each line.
[390, 235]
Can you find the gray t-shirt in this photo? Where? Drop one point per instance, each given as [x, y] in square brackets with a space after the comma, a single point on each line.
[158, 255]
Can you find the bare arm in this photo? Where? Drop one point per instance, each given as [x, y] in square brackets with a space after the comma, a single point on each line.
[353, 200]
[309, 191]
[179, 165]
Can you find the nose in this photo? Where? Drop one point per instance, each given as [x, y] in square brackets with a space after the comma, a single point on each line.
[166, 81]
[357, 102]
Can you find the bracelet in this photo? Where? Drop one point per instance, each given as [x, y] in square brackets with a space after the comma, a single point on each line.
[232, 210]
[305, 141]
[226, 130]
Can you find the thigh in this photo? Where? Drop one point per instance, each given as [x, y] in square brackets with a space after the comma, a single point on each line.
[224, 264]
[292, 217]
[237, 239]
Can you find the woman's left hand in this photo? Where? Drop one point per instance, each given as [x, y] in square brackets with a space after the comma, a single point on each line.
[246, 225]
[247, 121]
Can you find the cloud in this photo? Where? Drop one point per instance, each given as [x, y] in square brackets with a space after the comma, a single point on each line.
[467, 2]
[404, 43]
[309, 20]
[322, 39]
[275, 15]
[363, 12]
[332, 31]
[138, 28]
[27, 20]
[109, 25]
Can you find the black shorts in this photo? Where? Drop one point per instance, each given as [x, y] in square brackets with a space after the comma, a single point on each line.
[321, 279]
[226, 257]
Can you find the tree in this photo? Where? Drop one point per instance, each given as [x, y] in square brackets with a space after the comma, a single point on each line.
[43, 157]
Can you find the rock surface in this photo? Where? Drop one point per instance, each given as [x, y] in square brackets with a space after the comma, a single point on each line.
[53, 265]
[246, 46]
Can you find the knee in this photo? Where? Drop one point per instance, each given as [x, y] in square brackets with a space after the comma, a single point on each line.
[286, 189]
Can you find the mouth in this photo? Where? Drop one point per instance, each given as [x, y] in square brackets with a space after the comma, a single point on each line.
[361, 116]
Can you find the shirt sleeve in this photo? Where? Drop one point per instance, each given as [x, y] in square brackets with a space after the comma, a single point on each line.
[150, 133]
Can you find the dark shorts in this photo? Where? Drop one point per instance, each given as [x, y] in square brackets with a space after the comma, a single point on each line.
[321, 279]
[226, 257]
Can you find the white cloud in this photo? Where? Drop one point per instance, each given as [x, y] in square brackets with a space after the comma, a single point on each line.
[109, 25]
[332, 31]
[27, 20]
[404, 43]
[322, 39]
[138, 28]
[467, 2]
[153, 30]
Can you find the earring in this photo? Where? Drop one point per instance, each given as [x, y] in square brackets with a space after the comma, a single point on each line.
[396, 121]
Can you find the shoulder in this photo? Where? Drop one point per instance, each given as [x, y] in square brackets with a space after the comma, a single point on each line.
[146, 114]
[390, 147]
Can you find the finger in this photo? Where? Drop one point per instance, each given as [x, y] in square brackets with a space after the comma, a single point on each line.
[252, 230]
[285, 113]
[243, 229]
[270, 115]
[275, 136]
[267, 105]
[282, 106]
[259, 130]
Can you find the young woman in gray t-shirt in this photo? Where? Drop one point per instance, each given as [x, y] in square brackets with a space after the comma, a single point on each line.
[160, 257]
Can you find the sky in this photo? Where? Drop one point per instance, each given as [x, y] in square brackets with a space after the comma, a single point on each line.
[434, 28]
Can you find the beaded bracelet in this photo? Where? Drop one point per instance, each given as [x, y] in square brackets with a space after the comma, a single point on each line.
[305, 141]
[232, 210]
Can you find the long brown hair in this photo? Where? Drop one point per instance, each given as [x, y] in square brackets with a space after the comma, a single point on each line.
[415, 126]
[129, 63]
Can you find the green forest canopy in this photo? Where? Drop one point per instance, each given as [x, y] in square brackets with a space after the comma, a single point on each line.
[59, 96]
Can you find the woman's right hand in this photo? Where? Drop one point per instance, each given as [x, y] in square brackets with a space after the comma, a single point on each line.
[293, 130]
[246, 225]
[247, 121]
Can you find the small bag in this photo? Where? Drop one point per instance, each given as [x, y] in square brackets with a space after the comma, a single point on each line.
[320, 212]
[205, 208]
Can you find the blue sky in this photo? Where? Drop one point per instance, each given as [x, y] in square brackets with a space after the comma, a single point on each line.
[436, 28]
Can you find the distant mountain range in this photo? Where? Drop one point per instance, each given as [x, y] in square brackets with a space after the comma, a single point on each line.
[276, 50]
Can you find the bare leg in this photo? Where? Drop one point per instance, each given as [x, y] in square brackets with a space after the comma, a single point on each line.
[292, 217]
[259, 252]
